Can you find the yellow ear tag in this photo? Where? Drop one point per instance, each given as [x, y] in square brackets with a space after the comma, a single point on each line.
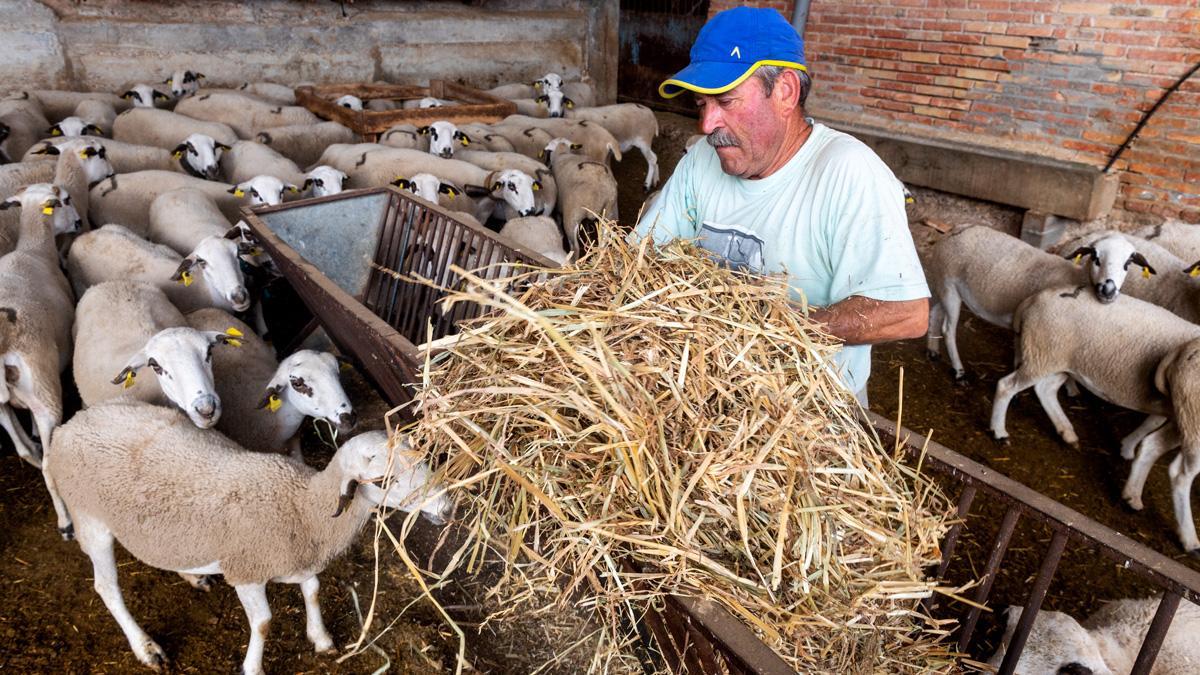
[177, 154]
[239, 193]
[128, 380]
[1195, 272]
[1145, 272]
[1078, 257]
[83, 155]
[466, 141]
[186, 278]
[55, 132]
[274, 403]
[256, 251]
[345, 365]
[48, 210]
[908, 200]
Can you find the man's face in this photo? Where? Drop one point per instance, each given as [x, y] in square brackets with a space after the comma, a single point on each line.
[746, 128]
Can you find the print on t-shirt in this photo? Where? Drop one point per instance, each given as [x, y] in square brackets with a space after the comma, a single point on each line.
[739, 248]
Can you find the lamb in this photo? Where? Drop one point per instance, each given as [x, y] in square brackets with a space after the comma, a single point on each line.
[405, 136]
[324, 181]
[547, 191]
[483, 137]
[350, 101]
[192, 501]
[122, 327]
[166, 129]
[598, 144]
[443, 136]
[993, 272]
[539, 234]
[145, 96]
[1106, 643]
[58, 104]
[265, 403]
[35, 332]
[209, 276]
[246, 116]
[184, 83]
[587, 190]
[634, 126]
[1173, 287]
[25, 122]
[1181, 239]
[126, 198]
[304, 143]
[248, 159]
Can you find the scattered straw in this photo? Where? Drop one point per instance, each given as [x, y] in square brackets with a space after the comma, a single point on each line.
[650, 407]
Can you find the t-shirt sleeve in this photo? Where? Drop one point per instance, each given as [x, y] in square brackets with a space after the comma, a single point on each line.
[673, 214]
[870, 249]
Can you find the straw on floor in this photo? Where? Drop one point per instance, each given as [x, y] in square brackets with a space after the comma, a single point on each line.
[647, 405]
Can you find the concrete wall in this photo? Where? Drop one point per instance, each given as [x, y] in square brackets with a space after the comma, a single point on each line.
[106, 44]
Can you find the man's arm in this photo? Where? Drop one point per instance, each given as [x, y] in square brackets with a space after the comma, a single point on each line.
[860, 320]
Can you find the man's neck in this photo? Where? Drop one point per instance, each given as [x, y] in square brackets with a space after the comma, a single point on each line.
[797, 132]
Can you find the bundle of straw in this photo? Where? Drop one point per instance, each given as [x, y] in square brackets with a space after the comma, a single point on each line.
[649, 406]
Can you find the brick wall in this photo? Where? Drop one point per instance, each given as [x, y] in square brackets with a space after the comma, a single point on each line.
[1065, 79]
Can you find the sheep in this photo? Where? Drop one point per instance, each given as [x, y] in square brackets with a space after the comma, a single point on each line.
[350, 101]
[424, 103]
[278, 94]
[265, 403]
[1107, 642]
[209, 276]
[58, 104]
[405, 136]
[483, 138]
[263, 190]
[532, 107]
[74, 127]
[124, 157]
[122, 327]
[82, 163]
[66, 217]
[25, 122]
[126, 198]
[304, 143]
[36, 313]
[443, 136]
[1182, 239]
[166, 129]
[145, 96]
[579, 92]
[192, 501]
[547, 189]
[184, 83]
[634, 126]
[435, 190]
[182, 218]
[587, 190]
[528, 141]
[246, 116]
[380, 104]
[247, 159]
[511, 91]
[598, 144]
[549, 82]
[993, 272]
[200, 156]
[1177, 292]
[99, 114]
[539, 234]
[324, 181]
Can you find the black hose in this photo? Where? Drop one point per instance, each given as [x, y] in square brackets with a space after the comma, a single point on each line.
[1146, 118]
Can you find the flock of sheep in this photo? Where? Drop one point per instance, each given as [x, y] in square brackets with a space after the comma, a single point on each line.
[122, 256]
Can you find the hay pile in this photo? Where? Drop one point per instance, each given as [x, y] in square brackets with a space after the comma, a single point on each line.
[654, 407]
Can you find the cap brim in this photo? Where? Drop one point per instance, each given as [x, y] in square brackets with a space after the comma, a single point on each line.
[715, 77]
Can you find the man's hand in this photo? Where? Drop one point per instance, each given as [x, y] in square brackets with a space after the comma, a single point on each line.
[864, 321]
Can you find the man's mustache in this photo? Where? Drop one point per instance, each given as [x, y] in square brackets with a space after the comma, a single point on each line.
[721, 138]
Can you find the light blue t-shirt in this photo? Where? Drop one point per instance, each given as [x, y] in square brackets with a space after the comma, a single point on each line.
[832, 218]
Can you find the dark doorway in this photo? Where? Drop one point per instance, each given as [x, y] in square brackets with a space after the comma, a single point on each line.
[656, 36]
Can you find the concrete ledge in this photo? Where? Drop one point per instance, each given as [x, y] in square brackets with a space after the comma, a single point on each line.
[1069, 189]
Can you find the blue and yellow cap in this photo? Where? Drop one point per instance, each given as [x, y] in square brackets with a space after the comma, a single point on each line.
[731, 46]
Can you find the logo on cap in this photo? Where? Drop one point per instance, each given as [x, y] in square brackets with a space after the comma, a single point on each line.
[736, 52]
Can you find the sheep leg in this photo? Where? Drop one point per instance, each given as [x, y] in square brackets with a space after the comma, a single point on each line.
[952, 304]
[258, 613]
[97, 542]
[26, 448]
[45, 420]
[1183, 471]
[1154, 445]
[201, 582]
[937, 319]
[643, 147]
[1129, 443]
[315, 626]
[1009, 386]
[1047, 393]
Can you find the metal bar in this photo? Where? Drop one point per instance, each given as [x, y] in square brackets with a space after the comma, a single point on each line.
[1034, 604]
[1156, 634]
[738, 641]
[951, 541]
[999, 548]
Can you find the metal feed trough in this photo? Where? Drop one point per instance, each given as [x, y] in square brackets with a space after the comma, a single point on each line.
[334, 252]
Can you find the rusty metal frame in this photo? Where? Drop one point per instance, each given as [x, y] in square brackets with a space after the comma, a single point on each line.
[475, 106]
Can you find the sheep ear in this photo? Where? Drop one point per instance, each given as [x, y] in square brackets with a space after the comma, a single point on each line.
[168, 80]
[402, 183]
[55, 130]
[270, 398]
[423, 131]
[537, 185]
[237, 191]
[476, 191]
[542, 99]
[542, 154]
[127, 374]
[183, 273]
[47, 149]
[448, 189]
[177, 153]
[130, 95]
[1140, 260]
[159, 96]
[222, 147]
[568, 103]
[496, 186]
[291, 188]
[234, 232]
[308, 183]
[1193, 270]
[576, 146]
[346, 497]
[93, 130]
[1161, 382]
[11, 202]
[1080, 253]
[200, 76]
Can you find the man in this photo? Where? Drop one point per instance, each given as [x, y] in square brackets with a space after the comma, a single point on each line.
[774, 192]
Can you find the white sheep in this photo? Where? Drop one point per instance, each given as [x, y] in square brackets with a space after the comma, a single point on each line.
[992, 272]
[124, 157]
[58, 104]
[126, 198]
[483, 138]
[528, 141]
[247, 116]
[263, 190]
[81, 163]
[264, 402]
[36, 313]
[443, 138]
[587, 190]
[632, 124]
[166, 129]
[539, 234]
[549, 82]
[350, 101]
[122, 327]
[73, 127]
[598, 143]
[192, 501]
[580, 92]
[404, 136]
[247, 159]
[145, 96]
[209, 276]
[323, 181]
[304, 143]
[182, 218]
[184, 83]
[200, 156]
[25, 124]
[546, 192]
[1182, 239]
[435, 190]
[271, 92]
[98, 113]
[1107, 643]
